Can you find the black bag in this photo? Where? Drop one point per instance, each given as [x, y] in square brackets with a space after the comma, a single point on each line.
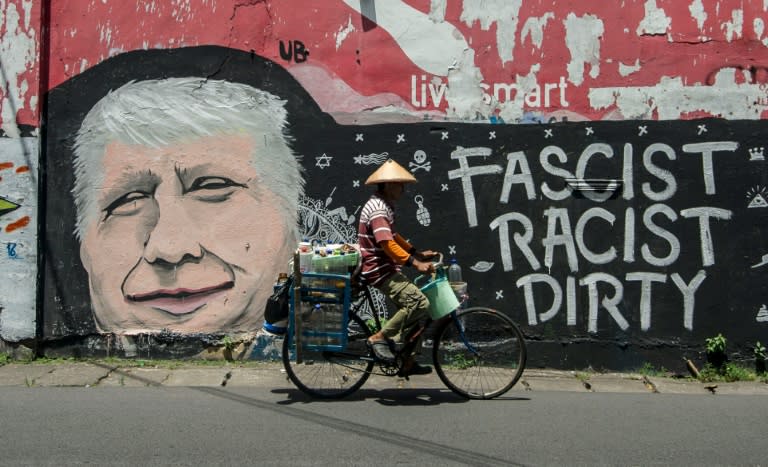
[278, 305]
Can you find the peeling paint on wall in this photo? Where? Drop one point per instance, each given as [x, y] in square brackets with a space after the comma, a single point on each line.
[343, 32]
[697, 12]
[670, 99]
[626, 70]
[733, 28]
[465, 96]
[655, 21]
[437, 10]
[504, 13]
[582, 37]
[535, 27]
[18, 238]
[18, 53]
[417, 35]
[375, 48]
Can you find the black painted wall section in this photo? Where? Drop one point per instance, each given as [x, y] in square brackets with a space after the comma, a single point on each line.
[668, 248]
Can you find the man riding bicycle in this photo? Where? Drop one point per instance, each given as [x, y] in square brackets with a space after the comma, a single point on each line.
[383, 253]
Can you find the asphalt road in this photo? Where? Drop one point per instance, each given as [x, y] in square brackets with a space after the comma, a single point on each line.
[245, 426]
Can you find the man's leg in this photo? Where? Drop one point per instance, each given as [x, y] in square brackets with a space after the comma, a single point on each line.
[412, 307]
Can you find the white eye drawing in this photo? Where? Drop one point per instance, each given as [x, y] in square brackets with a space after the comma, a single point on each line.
[757, 197]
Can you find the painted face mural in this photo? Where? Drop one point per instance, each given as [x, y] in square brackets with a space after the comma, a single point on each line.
[183, 232]
[173, 247]
[183, 193]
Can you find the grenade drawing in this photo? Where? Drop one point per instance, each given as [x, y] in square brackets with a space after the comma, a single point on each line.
[422, 214]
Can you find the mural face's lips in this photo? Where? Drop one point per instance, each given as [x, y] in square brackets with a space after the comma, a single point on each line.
[180, 301]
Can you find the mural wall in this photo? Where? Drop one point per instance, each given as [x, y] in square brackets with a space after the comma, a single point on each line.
[19, 155]
[18, 213]
[599, 172]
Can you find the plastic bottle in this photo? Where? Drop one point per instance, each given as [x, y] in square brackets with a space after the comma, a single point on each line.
[317, 267]
[454, 271]
[318, 323]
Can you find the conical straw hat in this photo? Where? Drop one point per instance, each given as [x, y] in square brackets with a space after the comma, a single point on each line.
[390, 171]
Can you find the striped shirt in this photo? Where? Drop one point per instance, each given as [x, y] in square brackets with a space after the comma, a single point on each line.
[377, 221]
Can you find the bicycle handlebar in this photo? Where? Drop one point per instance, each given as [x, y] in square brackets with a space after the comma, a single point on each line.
[439, 262]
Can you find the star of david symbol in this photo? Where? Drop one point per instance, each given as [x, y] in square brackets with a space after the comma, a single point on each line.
[323, 161]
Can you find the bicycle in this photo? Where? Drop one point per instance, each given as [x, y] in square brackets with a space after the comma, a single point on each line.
[477, 352]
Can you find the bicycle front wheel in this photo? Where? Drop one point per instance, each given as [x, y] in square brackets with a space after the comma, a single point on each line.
[328, 374]
[479, 353]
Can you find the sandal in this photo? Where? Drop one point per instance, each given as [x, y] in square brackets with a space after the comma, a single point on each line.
[382, 350]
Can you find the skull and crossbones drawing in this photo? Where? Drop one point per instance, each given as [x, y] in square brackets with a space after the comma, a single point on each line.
[421, 162]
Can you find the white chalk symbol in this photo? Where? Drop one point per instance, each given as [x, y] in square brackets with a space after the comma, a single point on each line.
[420, 162]
[371, 159]
[763, 262]
[757, 154]
[482, 266]
[762, 315]
[422, 214]
[757, 196]
[323, 161]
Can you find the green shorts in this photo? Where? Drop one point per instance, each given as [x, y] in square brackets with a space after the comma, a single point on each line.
[412, 306]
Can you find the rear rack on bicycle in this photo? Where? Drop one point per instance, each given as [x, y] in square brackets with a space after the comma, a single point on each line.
[319, 311]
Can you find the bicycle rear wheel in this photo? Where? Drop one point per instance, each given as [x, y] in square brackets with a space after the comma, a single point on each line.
[331, 375]
[479, 353]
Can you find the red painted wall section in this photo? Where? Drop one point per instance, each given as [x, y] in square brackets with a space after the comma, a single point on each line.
[582, 60]
[19, 53]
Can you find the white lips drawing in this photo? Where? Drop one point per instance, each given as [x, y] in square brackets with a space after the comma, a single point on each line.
[180, 301]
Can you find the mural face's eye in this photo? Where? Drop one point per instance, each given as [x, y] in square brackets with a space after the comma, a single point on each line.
[126, 205]
[214, 189]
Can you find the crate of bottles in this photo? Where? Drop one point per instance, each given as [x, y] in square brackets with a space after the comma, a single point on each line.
[323, 311]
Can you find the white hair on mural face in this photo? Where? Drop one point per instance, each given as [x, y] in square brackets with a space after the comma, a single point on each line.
[157, 113]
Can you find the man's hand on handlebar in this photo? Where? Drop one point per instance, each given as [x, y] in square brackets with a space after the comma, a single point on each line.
[426, 255]
[424, 267]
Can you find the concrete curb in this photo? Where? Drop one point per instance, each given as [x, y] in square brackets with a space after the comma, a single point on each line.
[270, 375]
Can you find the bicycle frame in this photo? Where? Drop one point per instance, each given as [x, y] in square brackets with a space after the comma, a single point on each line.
[477, 352]
[413, 337]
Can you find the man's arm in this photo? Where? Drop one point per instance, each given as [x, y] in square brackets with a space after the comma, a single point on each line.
[393, 249]
[425, 255]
